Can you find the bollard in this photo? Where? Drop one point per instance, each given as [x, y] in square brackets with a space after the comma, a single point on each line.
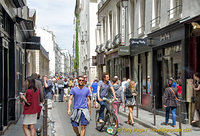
[154, 107]
[137, 110]
[179, 114]
[45, 118]
[38, 131]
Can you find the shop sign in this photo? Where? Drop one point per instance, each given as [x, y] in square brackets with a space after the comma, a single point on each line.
[124, 50]
[138, 42]
[165, 36]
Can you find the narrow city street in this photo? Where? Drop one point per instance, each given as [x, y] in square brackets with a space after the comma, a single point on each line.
[143, 53]
[63, 126]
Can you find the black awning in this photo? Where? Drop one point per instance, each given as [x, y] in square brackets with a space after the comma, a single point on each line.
[19, 20]
[19, 3]
[33, 43]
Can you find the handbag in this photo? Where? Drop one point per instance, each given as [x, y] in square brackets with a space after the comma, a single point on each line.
[193, 99]
[175, 96]
[38, 114]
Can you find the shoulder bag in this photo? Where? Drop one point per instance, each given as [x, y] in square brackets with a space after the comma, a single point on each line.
[175, 96]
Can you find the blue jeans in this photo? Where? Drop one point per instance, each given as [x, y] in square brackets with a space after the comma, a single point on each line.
[103, 105]
[61, 94]
[173, 109]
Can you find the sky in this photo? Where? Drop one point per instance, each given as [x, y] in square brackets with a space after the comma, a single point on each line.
[56, 16]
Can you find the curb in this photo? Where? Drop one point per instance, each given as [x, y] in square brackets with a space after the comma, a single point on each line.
[145, 124]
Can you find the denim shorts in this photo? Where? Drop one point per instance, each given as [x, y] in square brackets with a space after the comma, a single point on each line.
[83, 121]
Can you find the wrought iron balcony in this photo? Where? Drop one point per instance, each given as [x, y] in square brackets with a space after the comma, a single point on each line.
[141, 30]
[175, 13]
[154, 24]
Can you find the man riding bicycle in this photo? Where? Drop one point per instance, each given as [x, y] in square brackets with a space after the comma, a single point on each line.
[103, 88]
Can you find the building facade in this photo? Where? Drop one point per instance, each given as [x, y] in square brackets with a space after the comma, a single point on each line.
[49, 44]
[16, 41]
[87, 39]
[161, 45]
[66, 62]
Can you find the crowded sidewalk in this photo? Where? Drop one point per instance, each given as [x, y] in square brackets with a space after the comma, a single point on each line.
[146, 119]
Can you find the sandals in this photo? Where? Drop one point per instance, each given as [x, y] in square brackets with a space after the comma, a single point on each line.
[132, 124]
[127, 122]
[194, 121]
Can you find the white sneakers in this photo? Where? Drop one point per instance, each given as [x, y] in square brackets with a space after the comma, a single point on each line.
[101, 121]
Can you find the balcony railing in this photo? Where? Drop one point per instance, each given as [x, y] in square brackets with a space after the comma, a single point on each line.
[175, 13]
[141, 30]
[154, 23]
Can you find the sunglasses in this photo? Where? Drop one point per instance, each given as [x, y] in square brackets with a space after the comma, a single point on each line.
[81, 80]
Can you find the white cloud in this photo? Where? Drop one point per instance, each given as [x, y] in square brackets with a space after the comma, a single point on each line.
[57, 16]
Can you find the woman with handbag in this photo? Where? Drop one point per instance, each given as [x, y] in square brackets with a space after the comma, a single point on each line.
[170, 102]
[31, 107]
[196, 89]
[131, 94]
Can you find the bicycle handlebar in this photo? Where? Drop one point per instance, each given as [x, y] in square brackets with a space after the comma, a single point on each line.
[108, 100]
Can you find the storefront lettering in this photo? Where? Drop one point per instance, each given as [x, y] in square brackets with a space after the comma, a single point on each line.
[165, 36]
[123, 50]
[138, 42]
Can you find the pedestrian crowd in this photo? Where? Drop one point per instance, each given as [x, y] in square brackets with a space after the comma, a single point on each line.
[125, 93]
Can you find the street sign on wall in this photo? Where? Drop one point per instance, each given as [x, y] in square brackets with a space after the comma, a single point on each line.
[124, 50]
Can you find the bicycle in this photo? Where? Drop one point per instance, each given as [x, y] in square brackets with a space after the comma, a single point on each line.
[110, 121]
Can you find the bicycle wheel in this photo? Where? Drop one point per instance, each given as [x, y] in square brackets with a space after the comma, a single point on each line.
[114, 124]
[99, 126]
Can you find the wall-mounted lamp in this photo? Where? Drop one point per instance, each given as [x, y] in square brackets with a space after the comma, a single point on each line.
[98, 26]
[195, 25]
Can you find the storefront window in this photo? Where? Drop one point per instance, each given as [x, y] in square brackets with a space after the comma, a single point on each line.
[143, 73]
[171, 64]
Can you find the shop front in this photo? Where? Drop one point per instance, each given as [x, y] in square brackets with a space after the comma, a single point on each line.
[141, 69]
[100, 62]
[125, 61]
[113, 63]
[7, 62]
[167, 58]
[193, 48]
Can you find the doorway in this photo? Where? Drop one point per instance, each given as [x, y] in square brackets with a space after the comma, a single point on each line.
[127, 73]
[159, 86]
[5, 91]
